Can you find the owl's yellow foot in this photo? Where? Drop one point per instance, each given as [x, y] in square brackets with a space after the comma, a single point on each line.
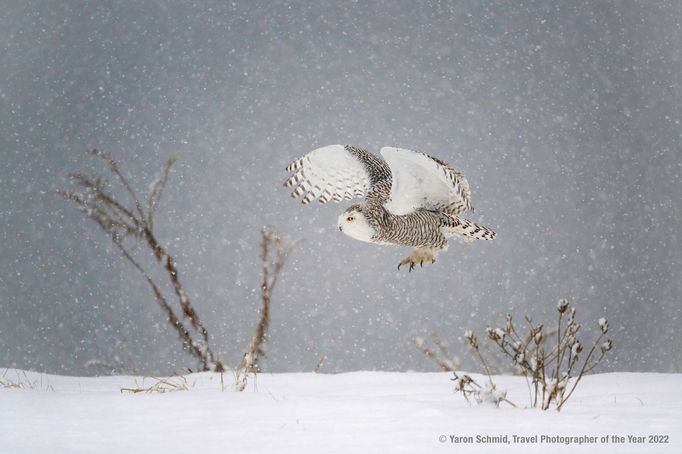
[419, 256]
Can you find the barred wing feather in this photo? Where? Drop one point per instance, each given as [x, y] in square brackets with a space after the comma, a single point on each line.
[334, 172]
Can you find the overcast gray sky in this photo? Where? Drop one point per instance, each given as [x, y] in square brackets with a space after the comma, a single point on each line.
[564, 115]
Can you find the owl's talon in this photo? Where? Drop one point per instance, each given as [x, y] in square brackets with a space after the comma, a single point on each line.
[419, 256]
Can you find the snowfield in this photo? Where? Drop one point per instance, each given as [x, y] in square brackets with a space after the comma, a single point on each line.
[344, 413]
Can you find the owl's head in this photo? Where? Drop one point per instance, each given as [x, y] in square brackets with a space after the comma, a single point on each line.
[354, 224]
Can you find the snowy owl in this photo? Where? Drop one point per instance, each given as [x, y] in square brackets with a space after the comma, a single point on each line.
[411, 199]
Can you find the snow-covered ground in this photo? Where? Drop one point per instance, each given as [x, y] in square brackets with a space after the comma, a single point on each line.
[319, 413]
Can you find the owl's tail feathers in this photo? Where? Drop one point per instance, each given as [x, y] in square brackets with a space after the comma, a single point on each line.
[467, 230]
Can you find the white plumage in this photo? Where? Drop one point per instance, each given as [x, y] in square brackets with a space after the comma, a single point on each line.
[411, 198]
[419, 181]
[328, 173]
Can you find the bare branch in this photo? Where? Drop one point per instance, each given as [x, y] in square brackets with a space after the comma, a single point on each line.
[120, 222]
[319, 364]
[273, 253]
[113, 166]
[156, 192]
[441, 358]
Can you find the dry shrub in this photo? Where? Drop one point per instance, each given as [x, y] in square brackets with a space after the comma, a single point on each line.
[273, 253]
[552, 372]
[439, 355]
[160, 385]
[21, 380]
[131, 223]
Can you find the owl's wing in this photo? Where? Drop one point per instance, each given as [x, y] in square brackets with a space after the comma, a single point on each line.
[422, 181]
[335, 172]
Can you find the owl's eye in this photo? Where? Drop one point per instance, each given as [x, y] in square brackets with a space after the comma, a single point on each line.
[349, 218]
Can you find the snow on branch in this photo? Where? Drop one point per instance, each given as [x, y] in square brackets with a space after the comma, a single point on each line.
[552, 373]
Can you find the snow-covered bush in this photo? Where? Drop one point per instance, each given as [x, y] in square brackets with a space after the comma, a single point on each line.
[486, 394]
[552, 369]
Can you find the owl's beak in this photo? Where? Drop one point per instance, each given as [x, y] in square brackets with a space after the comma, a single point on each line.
[340, 229]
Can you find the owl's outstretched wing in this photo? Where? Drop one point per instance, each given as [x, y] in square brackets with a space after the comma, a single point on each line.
[335, 172]
[421, 181]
